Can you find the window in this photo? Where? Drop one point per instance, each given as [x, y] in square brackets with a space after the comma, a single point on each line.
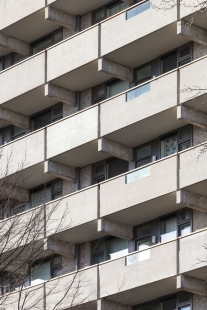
[46, 41]
[143, 73]
[109, 89]
[45, 270]
[46, 117]
[108, 169]
[176, 58]
[177, 141]
[143, 155]
[44, 194]
[180, 301]
[108, 10]
[138, 9]
[18, 132]
[108, 248]
[168, 229]
[1, 64]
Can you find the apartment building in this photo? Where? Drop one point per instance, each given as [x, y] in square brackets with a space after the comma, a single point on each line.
[103, 155]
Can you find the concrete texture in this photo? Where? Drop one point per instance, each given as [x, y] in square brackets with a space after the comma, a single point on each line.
[68, 110]
[199, 302]
[58, 93]
[115, 70]
[86, 98]
[14, 118]
[14, 44]
[199, 135]
[115, 229]
[86, 176]
[59, 17]
[192, 116]
[192, 200]
[199, 220]
[69, 187]
[85, 254]
[191, 285]
[115, 149]
[59, 247]
[9, 191]
[199, 50]
[68, 264]
[67, 33]
[192, 32]
[59, 170]
[86, 21]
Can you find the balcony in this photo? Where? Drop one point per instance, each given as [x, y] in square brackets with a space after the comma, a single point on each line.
[191, 76]
[141, 195]
[22, 86]
[193, 255]
[193, 170]
[74, 218]
[74, 140]
[149, 31]
[141, 276]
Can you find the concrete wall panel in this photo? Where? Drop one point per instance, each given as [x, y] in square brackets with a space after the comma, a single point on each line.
[161, 264]
[116, 195]
[127, 31]
[20, 7]
[117, 113]
[22, 78]
[72, 132]
[72, 53]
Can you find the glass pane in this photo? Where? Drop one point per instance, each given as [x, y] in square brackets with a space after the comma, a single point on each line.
[136, 175]
[138, 9]
[98, 246]
[41, 120]
[57, 260]
[56, 272]
[116, 167]
[144, 151]
[185, 145]
[117, 88]
[144, 162]
[146, 307]
[184, 51]
[117, 247]
[116, 9]
[1, 140]
[41, 196]
[17, 58]
[138, 257]
[143, 73]
[57, 185]
[100, 91]
[184, 215]
[168, 227]
[169, 304]
[138, 92]
[42, 45]
[99, 179]
[56, 196]
[100, 15]
[143, 231]
[58, 36]
[169, 62]
[169, 146]
[185, 133]
[185, 308]
[184, 229]
[99, 258]
[40, 273]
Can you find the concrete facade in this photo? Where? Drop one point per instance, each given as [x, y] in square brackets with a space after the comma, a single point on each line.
[103, 175]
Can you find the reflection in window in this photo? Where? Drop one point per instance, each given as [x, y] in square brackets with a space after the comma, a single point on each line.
[138, 9]
[169, 145]
[138, 92]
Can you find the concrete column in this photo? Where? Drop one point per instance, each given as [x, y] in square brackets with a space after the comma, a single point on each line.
[14, 44]
[191, 200]
[59, 247]
[192, 285]
[105, 304]
[14, 118]
[60, 94]
[115, 149]
[192, 32]
[61, 18]
[192, 116]
[115, 229]
[9, 191]
[115, 70]
[59, 170]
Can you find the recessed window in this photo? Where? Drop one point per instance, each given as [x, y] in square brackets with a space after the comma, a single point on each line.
[168, 229]
[169, 62]
[116, 8]
[169, 304]
[46, 41]
[137, 92]
[18, 132]
[116, 88]
[138, 9]
[143, 74]
[169, 145]
[1, 64]
[17, 58]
